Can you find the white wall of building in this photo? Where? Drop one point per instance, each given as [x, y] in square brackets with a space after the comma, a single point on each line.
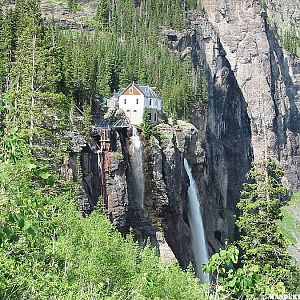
[133, 106]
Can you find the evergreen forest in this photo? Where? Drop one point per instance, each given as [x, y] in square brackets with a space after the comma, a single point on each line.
[48, 250]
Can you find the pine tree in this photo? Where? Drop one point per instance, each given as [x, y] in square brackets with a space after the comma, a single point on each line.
[34, 103]
[80, 66]
[103, 14]
[6, 47]
[261, 240]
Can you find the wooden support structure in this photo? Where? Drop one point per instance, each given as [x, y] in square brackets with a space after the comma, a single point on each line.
[104, 138]
[102, 176]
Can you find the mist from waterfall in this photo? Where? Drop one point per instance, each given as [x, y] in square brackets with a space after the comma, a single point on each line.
[137, 167]
[196, 223]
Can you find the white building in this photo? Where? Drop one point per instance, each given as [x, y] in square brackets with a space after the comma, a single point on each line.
[113, 102]
[137, 99]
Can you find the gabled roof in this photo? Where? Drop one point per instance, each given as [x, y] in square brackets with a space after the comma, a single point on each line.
[146, 90]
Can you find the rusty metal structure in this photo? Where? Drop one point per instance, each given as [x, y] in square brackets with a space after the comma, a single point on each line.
[103, 132]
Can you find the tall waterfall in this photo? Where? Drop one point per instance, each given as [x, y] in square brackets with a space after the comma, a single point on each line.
[195, 218]
[137, 167]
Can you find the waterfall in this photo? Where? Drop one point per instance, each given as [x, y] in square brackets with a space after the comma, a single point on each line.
[196, 223]
[137, 167]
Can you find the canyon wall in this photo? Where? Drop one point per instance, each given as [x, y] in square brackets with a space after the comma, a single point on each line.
[108, 178]
[253, 107]
[252, 112]
[263, 71]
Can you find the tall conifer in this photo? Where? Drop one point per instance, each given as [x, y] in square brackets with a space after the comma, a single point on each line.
[261, 240]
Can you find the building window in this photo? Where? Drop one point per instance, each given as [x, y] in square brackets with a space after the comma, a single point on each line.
[155, 117]
[149, 116]
[156, 102]
[131, 90]
[134, 111]
[150, 102]
[137, 101]
[125, 101]
[128, 110]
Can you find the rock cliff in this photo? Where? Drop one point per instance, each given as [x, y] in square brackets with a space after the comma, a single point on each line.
[108, 177]
[252, 112]
[265, 74]
[253, 108]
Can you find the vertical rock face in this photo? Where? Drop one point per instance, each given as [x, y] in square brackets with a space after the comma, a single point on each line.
[253, 108]
[252, 112]
[227, 133]
[116, 190]
[88, 159]
[107, 173]
[253, 105]
[166, 194]
[262, 72]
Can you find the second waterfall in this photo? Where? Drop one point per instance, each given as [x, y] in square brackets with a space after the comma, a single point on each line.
[196, 223]
[137, 167]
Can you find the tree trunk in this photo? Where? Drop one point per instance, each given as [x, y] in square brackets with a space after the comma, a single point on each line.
[32, 90]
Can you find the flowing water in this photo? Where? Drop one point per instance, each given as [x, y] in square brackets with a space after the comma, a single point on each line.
[196, 224]
[137, 167]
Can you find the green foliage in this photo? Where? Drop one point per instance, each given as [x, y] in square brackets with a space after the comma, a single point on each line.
[263, 3]
[48, 251]
[73, 5]
[174, 118]
[79, 65]
[263, 266]
[6, 41]
[290, 41]
[245, 282]
[240, 282]
[259, 221]
[12, 147]
[87, 119]
[103, 14]
[118, 154]
[291, 222]
[33, 107]
[147, 128]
